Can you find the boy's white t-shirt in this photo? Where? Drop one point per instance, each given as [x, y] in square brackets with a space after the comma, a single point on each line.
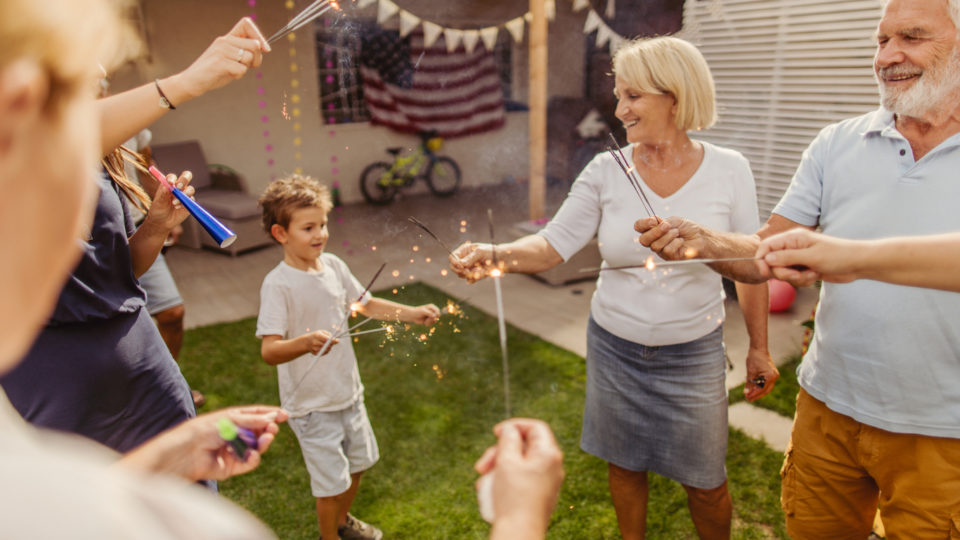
[294, 302]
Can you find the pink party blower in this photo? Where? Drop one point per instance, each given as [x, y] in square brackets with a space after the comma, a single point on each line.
[220, 233]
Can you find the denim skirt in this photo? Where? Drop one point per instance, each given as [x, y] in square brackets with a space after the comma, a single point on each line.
[658, 409]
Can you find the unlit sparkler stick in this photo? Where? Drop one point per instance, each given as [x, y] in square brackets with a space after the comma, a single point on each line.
[631, 176]
[651, 264]
[501, 322]
[420, 224]
[311, 12]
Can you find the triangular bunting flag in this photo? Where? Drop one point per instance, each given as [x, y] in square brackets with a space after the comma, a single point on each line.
[577, 5]
[551, 7]
[592, 23]
[387, 9]
[408, 21]
[452, 36]
[611, 12]
[431, 31]
[515, 27]
[470, 39]
[489, 37]
[603, 35]
[615, 43]
[364, 3]
[528, 16]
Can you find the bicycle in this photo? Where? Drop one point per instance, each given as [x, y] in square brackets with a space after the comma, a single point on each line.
[380, 181]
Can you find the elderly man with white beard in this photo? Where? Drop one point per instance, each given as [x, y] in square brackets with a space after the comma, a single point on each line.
[878, 415]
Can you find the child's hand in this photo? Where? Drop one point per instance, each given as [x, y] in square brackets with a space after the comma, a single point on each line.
[426, 314]
[314, 341]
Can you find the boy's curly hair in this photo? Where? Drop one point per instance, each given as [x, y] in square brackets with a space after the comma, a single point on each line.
[294, 192]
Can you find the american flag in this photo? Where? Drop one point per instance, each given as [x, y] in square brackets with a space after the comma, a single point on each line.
[411, 89]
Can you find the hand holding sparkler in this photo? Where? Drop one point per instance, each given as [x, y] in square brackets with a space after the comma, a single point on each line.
[822, 258]
[228, 58]
[317, 340]
[474, 262]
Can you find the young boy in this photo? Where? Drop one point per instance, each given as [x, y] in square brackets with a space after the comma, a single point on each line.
[302, 302]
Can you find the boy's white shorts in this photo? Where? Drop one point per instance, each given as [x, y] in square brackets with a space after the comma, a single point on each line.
[335, 444]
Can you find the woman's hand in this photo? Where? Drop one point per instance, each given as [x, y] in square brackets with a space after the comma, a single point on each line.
[802, 257]
[472, 262]
[672, 238]
[759, 364]
[195, 451]
[228, 58]
[166, 212]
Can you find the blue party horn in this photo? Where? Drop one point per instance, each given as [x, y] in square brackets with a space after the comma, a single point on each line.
[220, 233]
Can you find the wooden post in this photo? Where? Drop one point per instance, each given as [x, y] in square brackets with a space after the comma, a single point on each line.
[538, 109]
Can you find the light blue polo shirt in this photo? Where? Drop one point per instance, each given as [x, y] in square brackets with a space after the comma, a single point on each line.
[886, 355]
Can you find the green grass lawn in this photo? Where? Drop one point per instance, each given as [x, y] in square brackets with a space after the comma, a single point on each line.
[432, 405]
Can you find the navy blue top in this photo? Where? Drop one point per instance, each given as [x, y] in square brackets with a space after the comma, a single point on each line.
[100, 367]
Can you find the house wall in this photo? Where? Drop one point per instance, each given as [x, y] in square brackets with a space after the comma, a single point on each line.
[228, 121]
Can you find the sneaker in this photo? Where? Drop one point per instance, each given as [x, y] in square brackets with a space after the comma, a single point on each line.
[358, 530]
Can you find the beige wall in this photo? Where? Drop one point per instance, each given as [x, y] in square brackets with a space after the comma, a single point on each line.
[227, 121]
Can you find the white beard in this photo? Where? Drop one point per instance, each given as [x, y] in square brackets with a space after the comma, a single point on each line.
[933, 95]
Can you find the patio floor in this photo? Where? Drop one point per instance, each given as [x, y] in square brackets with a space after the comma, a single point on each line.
[218, 288]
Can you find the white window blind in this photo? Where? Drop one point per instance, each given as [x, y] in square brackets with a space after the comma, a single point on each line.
[784, 69]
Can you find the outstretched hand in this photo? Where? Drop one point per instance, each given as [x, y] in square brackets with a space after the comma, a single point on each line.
[802, 257]
[195, 451]
[427, 314]
[527, 468]
[472, 262]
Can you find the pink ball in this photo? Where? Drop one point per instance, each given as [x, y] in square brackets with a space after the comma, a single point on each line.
[782, 295]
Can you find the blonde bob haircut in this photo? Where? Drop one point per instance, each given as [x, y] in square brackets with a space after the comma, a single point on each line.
[669, 65]
[67, 39]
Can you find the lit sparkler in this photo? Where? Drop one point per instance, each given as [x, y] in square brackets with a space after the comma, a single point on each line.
[650, 264]
[309, 13]
[427, 230]
[496, 273]
[631, 175]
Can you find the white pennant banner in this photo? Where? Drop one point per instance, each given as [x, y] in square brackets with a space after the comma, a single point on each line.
[577, 5]
[470, 39]
[515, 27]
[489, 37]
[603, 35]
[593, 22]
[611, 12]
[387, 9]
[364, 3]
[616, 42]
[431, 31]
[551, 8]
[452, 36]
[408, 21]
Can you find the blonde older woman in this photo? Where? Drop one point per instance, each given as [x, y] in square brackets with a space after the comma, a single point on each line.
[655, 397]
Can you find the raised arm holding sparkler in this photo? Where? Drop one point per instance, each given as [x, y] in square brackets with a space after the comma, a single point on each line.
[228, 58]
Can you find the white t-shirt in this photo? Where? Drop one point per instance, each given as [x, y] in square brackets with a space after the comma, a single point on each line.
[293, 303]
[664, 306]
[54, 485]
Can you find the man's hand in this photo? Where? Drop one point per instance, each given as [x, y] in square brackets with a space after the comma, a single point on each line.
[527, 468]
[472, 262]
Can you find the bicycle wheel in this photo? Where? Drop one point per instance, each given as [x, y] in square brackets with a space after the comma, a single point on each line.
[376, 183]
[443, 177]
